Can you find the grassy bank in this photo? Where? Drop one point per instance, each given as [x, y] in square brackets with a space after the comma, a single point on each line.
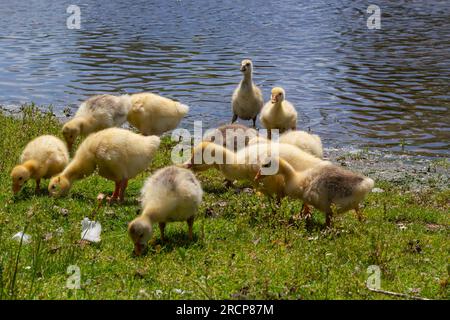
[243, 247]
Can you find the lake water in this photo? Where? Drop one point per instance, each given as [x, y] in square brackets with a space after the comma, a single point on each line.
[386, 90]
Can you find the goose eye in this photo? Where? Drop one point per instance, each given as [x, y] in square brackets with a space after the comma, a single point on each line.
[20, 178]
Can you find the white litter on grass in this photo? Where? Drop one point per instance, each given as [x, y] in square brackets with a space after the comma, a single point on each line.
[26, 238]
[90, 230]
[377, 190]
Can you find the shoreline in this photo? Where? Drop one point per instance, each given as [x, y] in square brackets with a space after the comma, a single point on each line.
[412, 173]
[386, 154]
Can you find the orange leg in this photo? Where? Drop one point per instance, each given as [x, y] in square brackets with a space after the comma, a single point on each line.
[190, 223]
[115, 194]
[38, 184]
[122, 187]
[162, 226]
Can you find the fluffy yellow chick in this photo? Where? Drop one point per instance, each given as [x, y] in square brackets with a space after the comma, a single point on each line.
[278, 113]
[95, 114]
[170, 194]
[42, 158]
[247, 100]
[118, 154]
[152, 114]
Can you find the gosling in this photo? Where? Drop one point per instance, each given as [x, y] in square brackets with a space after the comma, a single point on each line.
[42, 158]
[278, 113]
[327, 187]
[152, 114]
[247, 100]
[170, 194]
[118, 154]
[95, 114]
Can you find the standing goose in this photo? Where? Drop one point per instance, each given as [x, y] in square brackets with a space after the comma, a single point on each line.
[247, 99]
[118, 154]
[170, 194]
[95, 114]
[278, 113]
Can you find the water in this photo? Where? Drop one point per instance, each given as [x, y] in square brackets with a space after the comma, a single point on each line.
[385, 90]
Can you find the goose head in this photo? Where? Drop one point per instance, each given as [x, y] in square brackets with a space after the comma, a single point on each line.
[140, 232]
[278, 95]
[246, 66]
[59, 186]
[20, 175]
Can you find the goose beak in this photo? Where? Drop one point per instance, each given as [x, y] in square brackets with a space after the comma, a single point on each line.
[138, 248]
[16, 188]
[274, 99]
[243, 68]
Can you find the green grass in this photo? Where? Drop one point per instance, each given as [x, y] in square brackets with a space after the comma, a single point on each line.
[244, 247]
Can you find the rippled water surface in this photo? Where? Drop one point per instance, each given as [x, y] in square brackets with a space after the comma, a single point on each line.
[386, 89]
